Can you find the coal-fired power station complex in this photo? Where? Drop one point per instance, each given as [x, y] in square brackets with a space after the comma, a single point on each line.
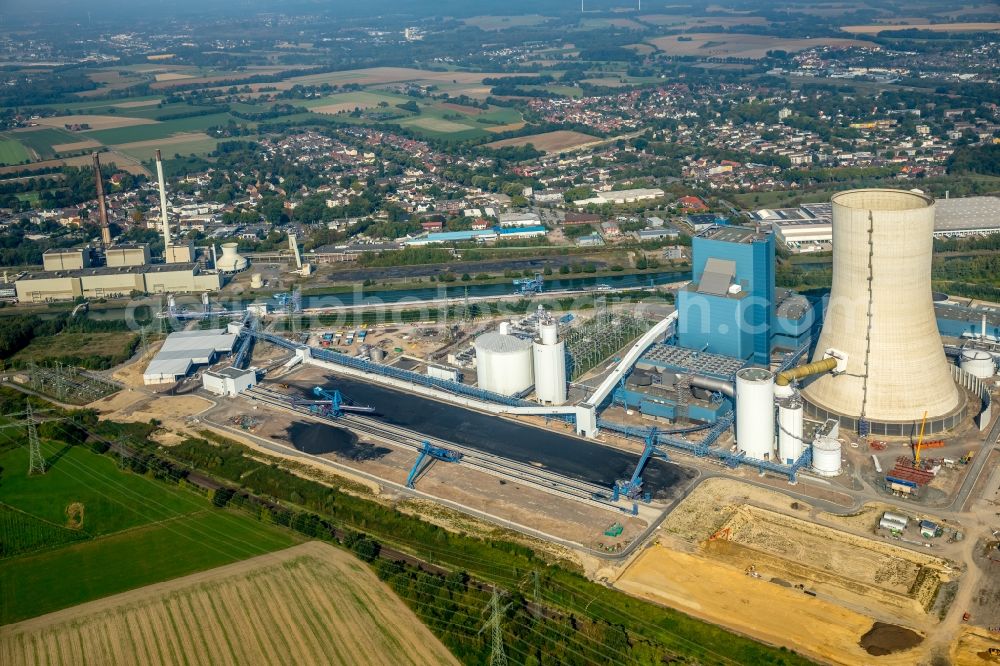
[739, 371]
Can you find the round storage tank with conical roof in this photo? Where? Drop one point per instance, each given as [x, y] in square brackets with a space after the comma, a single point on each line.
[826, 456]
[978, 363]
[231, 261]
[503, 363]
[880, 317]
[755, 412]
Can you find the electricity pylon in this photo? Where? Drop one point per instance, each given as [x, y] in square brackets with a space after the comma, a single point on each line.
[498, 657]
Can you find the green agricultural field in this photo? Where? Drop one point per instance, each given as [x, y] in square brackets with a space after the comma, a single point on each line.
[51, 580]
[437, 127]
[144, 152]
[112, 500]
[332, 104]
[12, 152]
[85, 530]
[41, 140]
[156, 131]
[499, 115]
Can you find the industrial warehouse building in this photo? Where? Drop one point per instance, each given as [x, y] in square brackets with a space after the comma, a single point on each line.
[810, 227]
[114, 281]
[66, 259]
[184, 350]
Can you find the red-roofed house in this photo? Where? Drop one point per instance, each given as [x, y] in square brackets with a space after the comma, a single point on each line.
[692, 203]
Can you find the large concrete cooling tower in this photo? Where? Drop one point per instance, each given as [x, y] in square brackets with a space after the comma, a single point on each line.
[881, 317]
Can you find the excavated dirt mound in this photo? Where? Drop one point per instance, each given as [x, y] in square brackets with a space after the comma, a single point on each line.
[883, 639]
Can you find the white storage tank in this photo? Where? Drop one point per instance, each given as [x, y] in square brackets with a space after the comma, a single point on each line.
[790, 419]
[755, 412]
[231, 261]
[256, 281]
[550, 365]
[978, 363]
[826, 456]
[503, 363]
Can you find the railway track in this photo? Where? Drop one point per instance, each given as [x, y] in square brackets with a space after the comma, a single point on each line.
[504, 468]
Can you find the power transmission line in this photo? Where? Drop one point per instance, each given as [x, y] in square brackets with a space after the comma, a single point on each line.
[498, 657]
[36, 463]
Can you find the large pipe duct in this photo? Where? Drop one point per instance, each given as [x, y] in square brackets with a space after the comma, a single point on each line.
[880, 317]
[163, 205]
[101, 203]
[786, 377]
[712, 384]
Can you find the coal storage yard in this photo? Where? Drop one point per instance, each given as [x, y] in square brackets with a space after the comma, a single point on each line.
[569, 456]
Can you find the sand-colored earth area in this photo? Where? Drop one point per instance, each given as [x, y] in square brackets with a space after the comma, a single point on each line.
[497, 129]
[76, 145]
[726, 596]
[310, 604]
[137, 103]
[931, 27]
[735, 544]
[548, 141]
[973, 648]
[172, 76]
[759, 608]
[733, 45]
[184, 137]
[120, 161]
[95, 122]
[342, 107]
[172, 411]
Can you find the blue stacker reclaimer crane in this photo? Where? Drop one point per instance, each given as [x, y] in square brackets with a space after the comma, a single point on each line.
[336, 403]
[632, 488]
[434, 453]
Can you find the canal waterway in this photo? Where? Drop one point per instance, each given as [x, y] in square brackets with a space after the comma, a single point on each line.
[417, 295]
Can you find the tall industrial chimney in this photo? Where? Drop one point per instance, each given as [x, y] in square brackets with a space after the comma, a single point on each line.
[163, 207]
[293, 244]
[881, 318]
[102, 204]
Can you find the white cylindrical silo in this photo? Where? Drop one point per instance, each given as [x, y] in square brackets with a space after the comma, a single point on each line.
[978, 363]
[755, 412]
[790, 421]
[880, 315]
[550, 366]
[826, 456]
[231, 261]
[504, 328]
[256, 281]
[503, 363]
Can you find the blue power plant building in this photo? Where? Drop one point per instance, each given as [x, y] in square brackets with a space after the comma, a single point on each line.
[729, 306]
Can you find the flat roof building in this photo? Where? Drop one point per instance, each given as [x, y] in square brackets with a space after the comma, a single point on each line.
[66, 259]
[967, 216]
[183, 350]
[128, 254]
[114, 282]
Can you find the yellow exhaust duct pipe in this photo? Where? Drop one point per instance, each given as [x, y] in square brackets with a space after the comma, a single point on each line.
[816, 367]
